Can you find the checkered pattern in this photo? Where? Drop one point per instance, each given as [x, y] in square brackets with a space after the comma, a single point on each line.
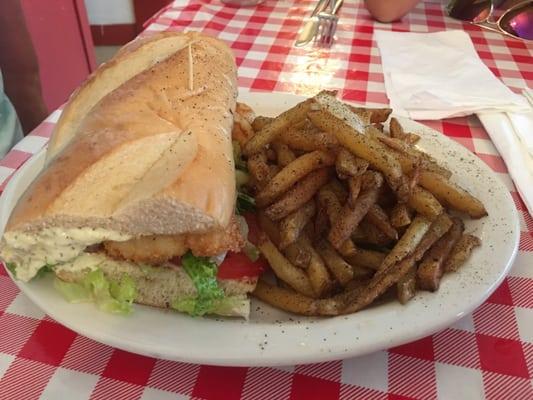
[488, 354]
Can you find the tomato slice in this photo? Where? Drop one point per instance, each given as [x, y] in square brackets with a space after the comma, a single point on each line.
[238, 265]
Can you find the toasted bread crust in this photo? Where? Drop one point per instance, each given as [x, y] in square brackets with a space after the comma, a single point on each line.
[151, 156]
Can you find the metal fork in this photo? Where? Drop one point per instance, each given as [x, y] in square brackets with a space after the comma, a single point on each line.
[327, 24]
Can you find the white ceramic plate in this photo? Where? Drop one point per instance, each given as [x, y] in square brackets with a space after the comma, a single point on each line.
[272, 337]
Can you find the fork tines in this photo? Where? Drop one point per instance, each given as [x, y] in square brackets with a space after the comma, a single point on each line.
[327, 25]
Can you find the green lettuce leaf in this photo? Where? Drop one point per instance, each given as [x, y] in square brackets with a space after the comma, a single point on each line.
[245, 203]
[186, 305]
[203, 273]
[109, 296]
[241, 179]
[237, 156]
[12, 268]
[233, 305]
[226, 306]
[123, 291]
[73, 292]
[43, 271]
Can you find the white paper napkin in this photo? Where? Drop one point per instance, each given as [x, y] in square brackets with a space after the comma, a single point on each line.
[516, 156]
[439, 75]
[523, 124]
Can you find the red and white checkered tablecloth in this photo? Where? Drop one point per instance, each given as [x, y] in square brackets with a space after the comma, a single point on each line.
[488, 354]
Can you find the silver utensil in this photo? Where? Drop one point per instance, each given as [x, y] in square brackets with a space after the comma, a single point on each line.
[327, 24]
[309, 30]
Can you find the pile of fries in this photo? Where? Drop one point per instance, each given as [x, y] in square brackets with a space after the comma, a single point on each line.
[349, 211]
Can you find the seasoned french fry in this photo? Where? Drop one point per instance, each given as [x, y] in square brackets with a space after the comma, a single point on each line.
[397, 132]
[363, 114]
[377, 115]
[424, 203]
[379, 126]
[258, 167]
[327, 197]
[438, 228]
[364, 147]
[296, 303]
[276, 126]
[431, 268]
[292, 225]
[300, 194]
[407, 243]
[271, 155]
[378, 285]
[284, 154]
[428, 163]
[461, 252]
[305, 136]
[400, 215]
[343, 227]
[411, 138]
[260, 122]
[379, 218]
[316, 271]
[407, 161]
[451, 194]
[297, 254]
[409, 157]
[285, 299]
[413, 177]
[348, 248]
[354, 188]
[291, 174]
[274, 170]
[395, 129]
[338, 188]
[284, 270]
[348, 165]
[393, 142]
[360, 272]
[406, 286]
[321, 218]
[341, 270]
[368, 233]
[269, 227]
[366, 258]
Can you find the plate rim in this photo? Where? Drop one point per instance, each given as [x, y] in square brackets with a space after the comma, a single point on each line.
[264, 359]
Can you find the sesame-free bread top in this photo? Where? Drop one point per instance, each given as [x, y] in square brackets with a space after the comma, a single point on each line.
[152, 155]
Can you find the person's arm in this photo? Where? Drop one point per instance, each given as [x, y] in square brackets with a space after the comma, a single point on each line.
[389, 10]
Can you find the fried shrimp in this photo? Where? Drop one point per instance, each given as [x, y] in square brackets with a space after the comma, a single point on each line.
[216, 242]
[157, 249]
[154, 249]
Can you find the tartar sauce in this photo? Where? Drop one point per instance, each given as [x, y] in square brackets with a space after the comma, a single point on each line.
[31, 251]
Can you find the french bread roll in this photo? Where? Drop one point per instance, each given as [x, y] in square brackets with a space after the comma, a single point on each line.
[143, 147]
